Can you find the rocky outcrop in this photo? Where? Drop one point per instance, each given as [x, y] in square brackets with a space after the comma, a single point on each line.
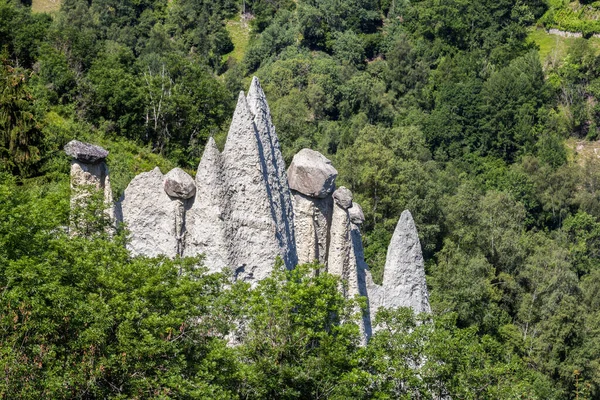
[312, 219]
[151, 216]
[357, 216]
[243, 210]
[238, 213]
[404, 273]
[85, 152]
[179, 184]
[258, 225]
[274, 174]
[312, 181]
[312, 174]
[205, 220]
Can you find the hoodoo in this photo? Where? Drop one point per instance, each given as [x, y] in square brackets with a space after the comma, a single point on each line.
[243, 211]
[88, 171]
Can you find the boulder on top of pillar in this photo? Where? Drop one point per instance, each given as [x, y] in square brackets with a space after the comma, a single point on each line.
[312, 174]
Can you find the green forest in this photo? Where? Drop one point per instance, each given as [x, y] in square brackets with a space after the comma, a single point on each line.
[467, 113]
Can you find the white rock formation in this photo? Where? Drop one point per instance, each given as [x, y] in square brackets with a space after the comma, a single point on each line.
[255, 229]
[89, 173]
[205, 223]
[150, 215]
[341, 261]
[243, 211]
[404, 274]
[312, 180]
[274, 173]
[312, 219]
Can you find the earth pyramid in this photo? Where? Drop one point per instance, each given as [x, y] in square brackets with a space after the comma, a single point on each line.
[243, 210]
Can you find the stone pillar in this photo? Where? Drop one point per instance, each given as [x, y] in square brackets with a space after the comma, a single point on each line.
[312, 181]
[180, 186]
[89, 175]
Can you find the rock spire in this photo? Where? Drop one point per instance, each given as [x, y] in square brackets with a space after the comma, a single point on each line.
[243, 210]
[238, 212]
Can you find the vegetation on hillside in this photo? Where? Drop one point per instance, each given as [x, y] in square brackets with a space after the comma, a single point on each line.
[443, 108]
[579, 16]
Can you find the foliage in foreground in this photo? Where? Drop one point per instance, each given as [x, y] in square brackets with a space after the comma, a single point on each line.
[81, 318]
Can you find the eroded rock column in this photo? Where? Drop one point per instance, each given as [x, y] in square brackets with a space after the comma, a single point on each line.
[205, 220]
[311, 178]
[89, 175]
[179, 186]
[404, 274]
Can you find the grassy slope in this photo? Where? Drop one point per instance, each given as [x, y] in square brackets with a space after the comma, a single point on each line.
[555, 46]
[239, 31]
[47, 6]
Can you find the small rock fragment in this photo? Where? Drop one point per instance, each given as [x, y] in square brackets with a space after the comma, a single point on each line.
[357, 216]
[343, 197]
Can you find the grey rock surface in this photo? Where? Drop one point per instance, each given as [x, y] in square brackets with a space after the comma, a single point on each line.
[150, 215]
[312, 174]
[404, 274]
[243, 212]
[205, 223]
[252, 231]
[346, 260]
[362, 278]
[179, 184]
[343, 197]
[274, 173]
[312, 219]
[357, 216]
[86, 179]
[85, 152]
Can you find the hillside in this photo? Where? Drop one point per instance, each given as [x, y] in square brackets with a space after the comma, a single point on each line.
[480, 123]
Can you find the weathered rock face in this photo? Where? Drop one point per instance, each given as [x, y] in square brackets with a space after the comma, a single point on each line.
[346, 258]
[357, 216]
[312, 219]
[253, 232]
[242, 212]
[312, 174]
[340, 244]
[404, 275]
[205, 222]
[152, 217]
[238, 212]
[89, 173]
[343, 197]
[179, 184]
[274, 173]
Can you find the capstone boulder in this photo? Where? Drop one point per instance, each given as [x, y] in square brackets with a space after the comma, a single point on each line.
[85, 152]
[312, 174]
[179, 184]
